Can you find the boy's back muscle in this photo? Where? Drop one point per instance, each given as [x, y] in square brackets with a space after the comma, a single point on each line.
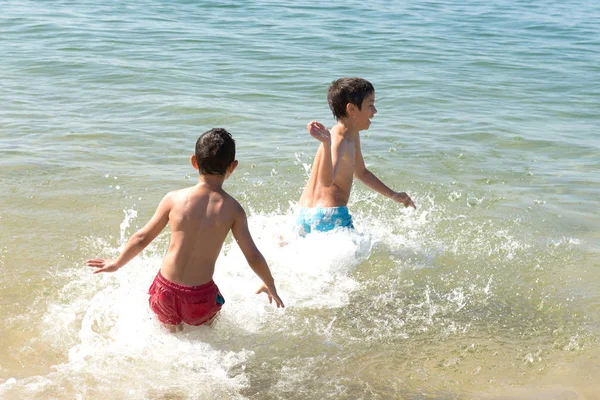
[200, 219]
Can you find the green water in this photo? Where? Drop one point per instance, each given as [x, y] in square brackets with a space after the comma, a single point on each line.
[487, 117]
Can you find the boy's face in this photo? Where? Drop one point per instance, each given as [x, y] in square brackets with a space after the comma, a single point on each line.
[366, 112]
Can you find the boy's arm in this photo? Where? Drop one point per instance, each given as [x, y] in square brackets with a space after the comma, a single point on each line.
[139, 240]
[255, 259]
[369, 179]
[329, 163]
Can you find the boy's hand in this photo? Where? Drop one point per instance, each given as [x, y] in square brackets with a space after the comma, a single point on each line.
[103, 265]
[319, 132]
[271, 293]
[403, 198]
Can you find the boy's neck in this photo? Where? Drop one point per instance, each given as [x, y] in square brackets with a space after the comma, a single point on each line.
[212, 181]
[346, 128]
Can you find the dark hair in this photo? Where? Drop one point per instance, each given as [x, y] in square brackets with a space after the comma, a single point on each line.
[347, 90]
[215, 151]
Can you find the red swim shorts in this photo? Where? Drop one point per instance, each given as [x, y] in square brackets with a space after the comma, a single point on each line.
[174, 303]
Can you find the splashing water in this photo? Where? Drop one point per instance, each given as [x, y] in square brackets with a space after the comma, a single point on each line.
[398, 291]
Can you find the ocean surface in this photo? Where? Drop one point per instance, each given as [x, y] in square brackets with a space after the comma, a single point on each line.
[488, 116]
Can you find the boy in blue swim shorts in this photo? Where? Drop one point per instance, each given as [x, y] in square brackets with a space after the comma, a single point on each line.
[323, 204]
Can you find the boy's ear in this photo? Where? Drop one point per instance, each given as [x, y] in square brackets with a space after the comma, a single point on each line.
[350, 109]
[194, 161]
[232, 166]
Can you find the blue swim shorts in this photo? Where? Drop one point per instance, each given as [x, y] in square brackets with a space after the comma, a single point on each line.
[323, 219]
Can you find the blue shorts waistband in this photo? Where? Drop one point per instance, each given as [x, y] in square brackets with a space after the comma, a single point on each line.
[323, 219]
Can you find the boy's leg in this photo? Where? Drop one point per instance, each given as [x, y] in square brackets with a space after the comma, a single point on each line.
[212, 319]
[173, 328]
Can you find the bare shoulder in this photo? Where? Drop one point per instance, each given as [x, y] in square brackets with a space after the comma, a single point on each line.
[169, 198]
[181, 198]
[175, 196]
[335, 130]
[233, 204]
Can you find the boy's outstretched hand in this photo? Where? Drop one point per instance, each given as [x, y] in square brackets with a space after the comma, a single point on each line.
[271, 293]
[318, 131]
[402, 197]
[103, 265]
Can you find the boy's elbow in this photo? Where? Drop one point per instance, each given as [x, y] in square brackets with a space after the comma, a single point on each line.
[255, 258]
[327, 183]
[140, 238]
[360, 174]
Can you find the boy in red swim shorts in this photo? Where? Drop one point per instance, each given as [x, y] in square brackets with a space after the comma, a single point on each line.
[200, 217]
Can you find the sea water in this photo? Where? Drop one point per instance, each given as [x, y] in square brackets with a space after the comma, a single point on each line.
[487, 117]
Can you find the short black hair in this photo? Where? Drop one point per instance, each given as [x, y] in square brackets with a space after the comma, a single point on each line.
[215, 151]
[347, 90]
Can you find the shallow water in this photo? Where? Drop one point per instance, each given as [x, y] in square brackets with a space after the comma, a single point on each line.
[488, 118]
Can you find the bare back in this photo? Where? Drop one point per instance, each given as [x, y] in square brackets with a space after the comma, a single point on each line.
[200, 219]
[343, 149]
